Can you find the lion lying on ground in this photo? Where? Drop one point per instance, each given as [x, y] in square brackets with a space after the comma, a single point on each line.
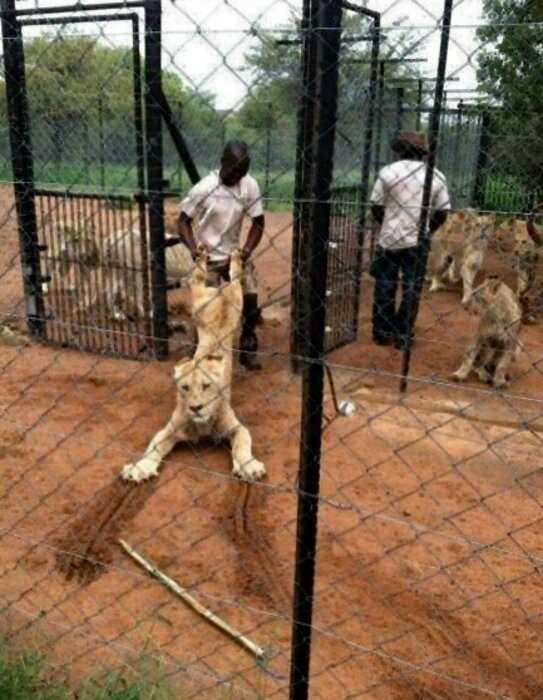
[204, 383]
[497, 342]
[458, 250]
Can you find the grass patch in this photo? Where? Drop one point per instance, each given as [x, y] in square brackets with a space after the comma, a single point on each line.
[22, 677]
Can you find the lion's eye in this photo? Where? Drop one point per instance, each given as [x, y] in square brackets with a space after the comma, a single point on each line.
[185, 387]
[205, 386]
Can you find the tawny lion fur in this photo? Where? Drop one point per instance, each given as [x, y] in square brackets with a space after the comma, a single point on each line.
[203, 407]
[458, 250]
[497, 342]
[528, 245]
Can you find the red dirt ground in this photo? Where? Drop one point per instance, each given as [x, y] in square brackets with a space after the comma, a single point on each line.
[430, 536]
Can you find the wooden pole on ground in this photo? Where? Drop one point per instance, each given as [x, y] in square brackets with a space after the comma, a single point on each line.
[186, 597]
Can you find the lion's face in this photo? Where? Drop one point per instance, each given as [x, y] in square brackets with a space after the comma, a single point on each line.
[486, 224]
[484, 295]
[524, 245]
[201, 386]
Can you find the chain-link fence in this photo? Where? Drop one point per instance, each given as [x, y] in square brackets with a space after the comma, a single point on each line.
[358, 517]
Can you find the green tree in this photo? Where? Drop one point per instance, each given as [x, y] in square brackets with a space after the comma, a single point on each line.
[75, 83]
[510, 73]
[273, 70]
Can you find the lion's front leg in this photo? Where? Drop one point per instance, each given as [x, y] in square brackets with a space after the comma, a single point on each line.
[465, 368]
[159, 447]
[244, 464]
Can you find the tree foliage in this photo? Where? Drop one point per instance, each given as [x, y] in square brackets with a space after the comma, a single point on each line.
[510, 72]
[275, 73]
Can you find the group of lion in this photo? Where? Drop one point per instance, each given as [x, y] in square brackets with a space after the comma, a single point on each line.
[460, 251]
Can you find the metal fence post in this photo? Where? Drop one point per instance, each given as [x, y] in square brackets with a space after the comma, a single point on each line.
[303, 169]
[269, 120]
[419, 104]
[366, 161]
[420, 265]
[379, 121]
[23, 170]
[101, 145]
[326, 40]
[479, 186]
[399, 109]
[153, 125]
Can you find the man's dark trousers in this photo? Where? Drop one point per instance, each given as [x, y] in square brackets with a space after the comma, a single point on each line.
[387, 267]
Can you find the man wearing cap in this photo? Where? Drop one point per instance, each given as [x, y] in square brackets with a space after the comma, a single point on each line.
[396, 205]
[218, 204]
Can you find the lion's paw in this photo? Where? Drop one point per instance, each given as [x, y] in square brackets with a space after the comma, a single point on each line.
[236, 267]
[141, 471]
[252, 470]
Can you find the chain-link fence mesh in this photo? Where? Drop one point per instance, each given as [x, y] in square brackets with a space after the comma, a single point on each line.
[427, 571]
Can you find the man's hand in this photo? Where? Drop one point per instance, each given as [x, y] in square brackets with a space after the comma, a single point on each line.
[254, 237]
[184, 229]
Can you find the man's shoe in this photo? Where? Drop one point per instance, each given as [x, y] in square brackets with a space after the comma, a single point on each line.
[384, 339]
[401, 343]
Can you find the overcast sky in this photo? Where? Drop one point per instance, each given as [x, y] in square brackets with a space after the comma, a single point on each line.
[205, 40]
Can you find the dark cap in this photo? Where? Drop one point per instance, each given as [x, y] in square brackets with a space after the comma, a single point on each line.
[414, 141]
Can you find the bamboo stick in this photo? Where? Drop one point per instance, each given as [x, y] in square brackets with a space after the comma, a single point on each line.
[193, 603]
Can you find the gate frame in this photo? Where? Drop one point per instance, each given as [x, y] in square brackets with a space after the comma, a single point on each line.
[149, 150]
[305, 164]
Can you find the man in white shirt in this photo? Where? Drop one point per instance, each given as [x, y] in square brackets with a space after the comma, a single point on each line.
[217, 205]
[396, 205]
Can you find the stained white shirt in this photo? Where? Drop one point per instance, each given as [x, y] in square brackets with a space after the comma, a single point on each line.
[399, 189]
[218, 212]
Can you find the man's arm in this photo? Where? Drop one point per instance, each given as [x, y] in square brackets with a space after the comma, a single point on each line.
[437, 219]
[254, 237]
[184, 229]
[378, 213]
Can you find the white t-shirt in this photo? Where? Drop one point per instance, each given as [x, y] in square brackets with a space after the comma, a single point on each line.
[399, 189]
[219, 211]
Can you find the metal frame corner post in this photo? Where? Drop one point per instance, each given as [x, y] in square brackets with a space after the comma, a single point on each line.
[304, 166]
[23, 169]
[479, 186]
[325, 36]
[154, 151]
[433, 138]
[367, 157]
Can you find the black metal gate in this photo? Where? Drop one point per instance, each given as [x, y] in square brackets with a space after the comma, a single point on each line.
[348, 207]
[93, 263]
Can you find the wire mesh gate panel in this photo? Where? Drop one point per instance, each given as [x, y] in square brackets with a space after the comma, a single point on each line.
[353, 161]
[95, 260]
[345, 265]
[93, 247]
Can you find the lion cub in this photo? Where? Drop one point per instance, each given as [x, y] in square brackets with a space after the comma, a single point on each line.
[458, 249]
[497, 342]
[204, 382]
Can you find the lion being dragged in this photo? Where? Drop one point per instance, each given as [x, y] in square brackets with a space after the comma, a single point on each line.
[203, 383]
